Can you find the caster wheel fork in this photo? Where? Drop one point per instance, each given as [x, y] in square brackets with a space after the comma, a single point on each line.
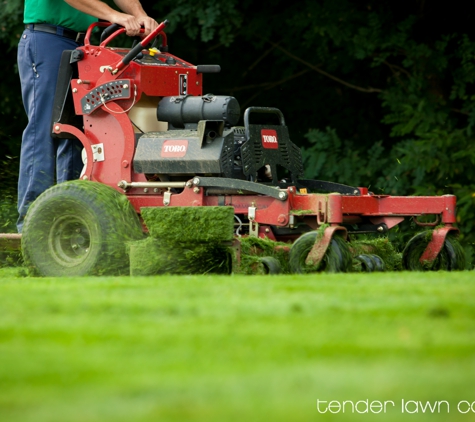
[332, 253]
[434, 251]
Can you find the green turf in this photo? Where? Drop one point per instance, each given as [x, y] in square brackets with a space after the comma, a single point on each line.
[190, 224]
[233, 348]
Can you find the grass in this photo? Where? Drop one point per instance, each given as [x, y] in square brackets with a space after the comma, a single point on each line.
[233, 348]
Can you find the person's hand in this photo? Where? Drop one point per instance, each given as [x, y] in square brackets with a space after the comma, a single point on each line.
[133, 25]
[149, 24]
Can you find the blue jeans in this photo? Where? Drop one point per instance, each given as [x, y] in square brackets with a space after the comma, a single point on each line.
[43, 160]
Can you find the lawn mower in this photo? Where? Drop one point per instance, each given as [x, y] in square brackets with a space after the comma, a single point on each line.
[152, 140]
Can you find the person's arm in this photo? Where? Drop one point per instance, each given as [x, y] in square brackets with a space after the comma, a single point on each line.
[131, 20]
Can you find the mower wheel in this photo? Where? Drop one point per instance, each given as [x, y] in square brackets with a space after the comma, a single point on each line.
[450, 258]
[378, 263]
[336, 259]
[271, 265]
[367, 264]
[79, 228]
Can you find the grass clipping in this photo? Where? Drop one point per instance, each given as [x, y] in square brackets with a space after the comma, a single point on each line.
[190, 224]
[184, 240]
[196, 240]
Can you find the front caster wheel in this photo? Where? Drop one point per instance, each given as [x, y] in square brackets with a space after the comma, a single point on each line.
[336, 259]
[370, 262]
[450, 258]
[270, 265]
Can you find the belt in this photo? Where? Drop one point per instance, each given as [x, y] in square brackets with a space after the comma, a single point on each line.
[57, 30]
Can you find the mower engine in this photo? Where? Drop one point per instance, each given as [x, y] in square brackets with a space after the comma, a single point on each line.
[202, 140]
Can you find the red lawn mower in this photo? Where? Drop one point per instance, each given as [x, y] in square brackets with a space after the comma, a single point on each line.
[152, 139]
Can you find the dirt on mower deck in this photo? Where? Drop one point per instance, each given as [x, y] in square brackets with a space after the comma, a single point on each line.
[10, 242]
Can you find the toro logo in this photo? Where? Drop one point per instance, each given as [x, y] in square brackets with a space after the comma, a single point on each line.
[269, 139]
[174, 148]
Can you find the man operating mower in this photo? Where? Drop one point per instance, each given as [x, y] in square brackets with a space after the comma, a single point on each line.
[52, 26]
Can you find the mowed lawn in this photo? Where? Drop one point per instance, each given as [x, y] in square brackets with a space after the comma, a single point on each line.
[236, 348]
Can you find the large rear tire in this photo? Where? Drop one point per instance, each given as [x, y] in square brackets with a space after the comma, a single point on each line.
[79, 228]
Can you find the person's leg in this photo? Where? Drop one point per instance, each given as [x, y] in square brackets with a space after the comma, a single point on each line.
[69, 161]
[39, 56]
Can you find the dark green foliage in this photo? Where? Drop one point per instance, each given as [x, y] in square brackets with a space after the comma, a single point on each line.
[11, 16]
[190, 224]
[205, 20]
[12, 116]
[330, 158]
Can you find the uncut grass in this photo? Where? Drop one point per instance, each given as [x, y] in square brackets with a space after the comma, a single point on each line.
[232, 348]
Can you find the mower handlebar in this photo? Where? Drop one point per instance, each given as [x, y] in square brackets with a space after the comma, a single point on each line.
[140, 46]
[263, 110]
[109, 31]
[113, 30]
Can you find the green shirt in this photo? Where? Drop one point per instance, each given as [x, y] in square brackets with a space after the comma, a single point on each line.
[56, 12]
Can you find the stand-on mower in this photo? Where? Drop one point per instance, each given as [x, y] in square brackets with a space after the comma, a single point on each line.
[152, 139]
